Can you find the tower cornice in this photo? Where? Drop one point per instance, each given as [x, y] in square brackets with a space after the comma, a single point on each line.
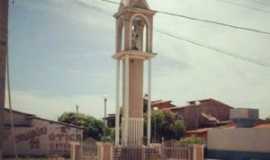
[134, 11]
[134, 54]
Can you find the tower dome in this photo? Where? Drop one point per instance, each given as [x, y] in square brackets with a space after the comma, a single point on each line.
[134, 4]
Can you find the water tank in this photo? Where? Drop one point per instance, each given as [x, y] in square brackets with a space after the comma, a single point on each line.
[244, 117]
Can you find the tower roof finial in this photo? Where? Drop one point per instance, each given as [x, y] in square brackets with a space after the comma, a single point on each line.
[135, 4]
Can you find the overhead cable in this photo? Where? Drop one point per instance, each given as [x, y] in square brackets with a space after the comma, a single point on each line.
[215, 22]
[204, 20]
[217, 50]
[244, 6]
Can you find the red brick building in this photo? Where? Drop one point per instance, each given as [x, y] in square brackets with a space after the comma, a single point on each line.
[203, 113]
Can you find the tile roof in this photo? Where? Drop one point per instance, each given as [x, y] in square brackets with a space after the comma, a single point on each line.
[32, 116]
[199, 102]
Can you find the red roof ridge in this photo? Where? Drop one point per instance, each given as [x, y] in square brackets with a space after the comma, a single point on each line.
[201, 101]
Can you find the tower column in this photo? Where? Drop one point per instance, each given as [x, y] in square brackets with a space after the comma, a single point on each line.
[117, 116]
[149, 108]
[126, 101]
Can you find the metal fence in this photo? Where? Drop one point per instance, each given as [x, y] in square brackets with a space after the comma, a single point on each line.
[132, 153]
[177, 153]
[162, 152]
[89, 150]
[165, 151]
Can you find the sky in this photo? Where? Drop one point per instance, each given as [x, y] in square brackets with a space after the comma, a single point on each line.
[61, 54]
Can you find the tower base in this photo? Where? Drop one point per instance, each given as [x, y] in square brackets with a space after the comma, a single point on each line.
[135, 132]
[132, 153]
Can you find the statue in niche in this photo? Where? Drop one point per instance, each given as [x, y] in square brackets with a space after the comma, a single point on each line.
[137, 35]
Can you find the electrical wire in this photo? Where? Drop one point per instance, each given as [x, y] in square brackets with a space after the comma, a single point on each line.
[112, 2]
[204, 20]
[215, 22]
[226, 53]
[217, 50]
[244, 6]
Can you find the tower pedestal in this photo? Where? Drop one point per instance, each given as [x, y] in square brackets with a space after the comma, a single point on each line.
[134, 38]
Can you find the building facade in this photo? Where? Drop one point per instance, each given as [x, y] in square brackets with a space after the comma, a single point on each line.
[38, 137]
[239, 144]
[203, 113]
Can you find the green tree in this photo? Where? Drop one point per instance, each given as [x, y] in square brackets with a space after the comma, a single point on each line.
[268, 119]
[179, 129]
[93, 127]
[191, 140]
[166, 125]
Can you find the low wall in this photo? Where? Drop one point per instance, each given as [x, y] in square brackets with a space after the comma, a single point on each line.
[41, 139]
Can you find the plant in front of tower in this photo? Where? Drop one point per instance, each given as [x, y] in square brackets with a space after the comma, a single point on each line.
[165, 125]
[93, 127]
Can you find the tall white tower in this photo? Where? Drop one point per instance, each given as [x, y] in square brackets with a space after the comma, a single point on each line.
[3, 53]
[134, 32]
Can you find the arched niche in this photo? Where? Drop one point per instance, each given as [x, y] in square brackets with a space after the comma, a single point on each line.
[140, 33]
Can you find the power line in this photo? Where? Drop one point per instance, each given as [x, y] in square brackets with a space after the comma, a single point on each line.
[217, 50]
[226, 53]
[112, 2]
[252, 2]
[214, 22]
[244, 6]
[257, 2]
[204, 20]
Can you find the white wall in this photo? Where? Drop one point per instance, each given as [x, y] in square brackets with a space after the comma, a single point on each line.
[240, 139]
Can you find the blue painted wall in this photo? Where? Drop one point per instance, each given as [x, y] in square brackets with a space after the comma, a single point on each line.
[236, 155]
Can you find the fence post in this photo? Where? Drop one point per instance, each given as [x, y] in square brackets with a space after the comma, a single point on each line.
[105, 151]
[75, 151]
[198, 152]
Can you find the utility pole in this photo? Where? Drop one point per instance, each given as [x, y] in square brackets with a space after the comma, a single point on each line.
[105, 110]
[77, 109]
[79, 139]
[3, 54]
[105, 116]
[77, 117]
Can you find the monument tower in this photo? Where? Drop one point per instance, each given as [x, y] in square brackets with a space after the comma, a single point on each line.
[134, 32]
